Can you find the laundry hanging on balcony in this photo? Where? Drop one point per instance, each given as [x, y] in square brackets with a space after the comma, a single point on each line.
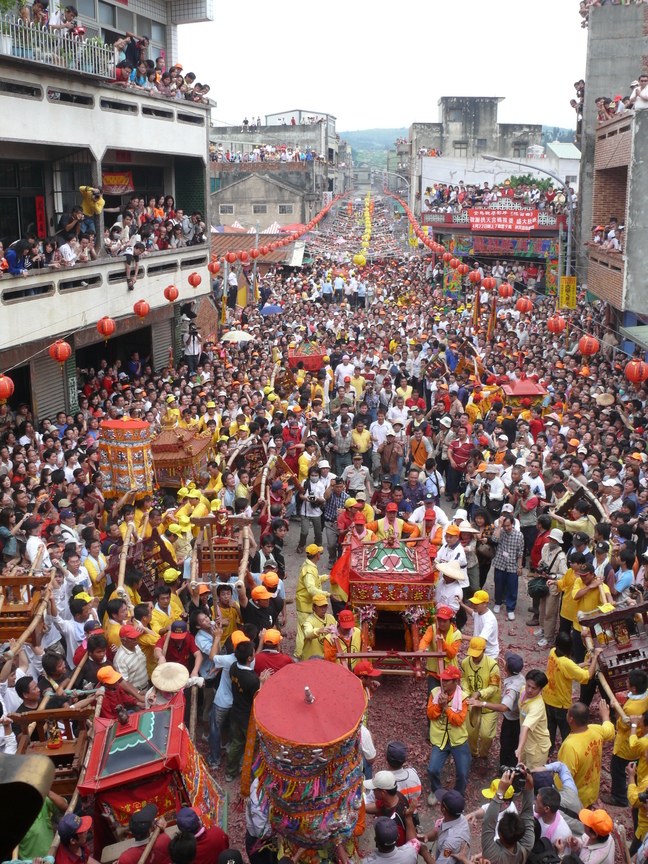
[117, 183]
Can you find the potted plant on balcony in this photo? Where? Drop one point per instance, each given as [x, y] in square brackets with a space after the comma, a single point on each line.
[6, 25]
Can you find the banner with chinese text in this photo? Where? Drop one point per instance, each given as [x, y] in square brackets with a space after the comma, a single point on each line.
[567, 297]
[503, 220]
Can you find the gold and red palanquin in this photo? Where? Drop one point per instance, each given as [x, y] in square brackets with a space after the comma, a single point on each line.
[179, 455]
[125, 457]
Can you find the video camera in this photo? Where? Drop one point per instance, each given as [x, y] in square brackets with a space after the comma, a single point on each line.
[519, 776]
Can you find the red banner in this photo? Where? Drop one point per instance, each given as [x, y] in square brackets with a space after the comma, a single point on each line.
[503, 220]
[41, 219]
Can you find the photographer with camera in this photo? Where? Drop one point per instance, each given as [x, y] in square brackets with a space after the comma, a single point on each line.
[312, 505]
[516, 832]
[192, 342]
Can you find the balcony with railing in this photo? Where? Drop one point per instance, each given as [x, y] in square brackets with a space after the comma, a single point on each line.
[48, 302]
[48, 48]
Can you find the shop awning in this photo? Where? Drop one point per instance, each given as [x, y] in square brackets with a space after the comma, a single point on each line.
[638, 335]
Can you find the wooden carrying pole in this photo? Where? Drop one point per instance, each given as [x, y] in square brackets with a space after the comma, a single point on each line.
[123, 556]
[74, 800]
[589, 644]
[38, 614]
[149, 846]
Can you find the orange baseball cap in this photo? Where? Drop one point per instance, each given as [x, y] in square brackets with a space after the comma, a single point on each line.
[237, 637]
[598, 820]
[261, 593]
[453, 530]
[272, 636]
[270, 580]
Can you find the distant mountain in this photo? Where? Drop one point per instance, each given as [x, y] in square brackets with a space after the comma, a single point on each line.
[370, 146]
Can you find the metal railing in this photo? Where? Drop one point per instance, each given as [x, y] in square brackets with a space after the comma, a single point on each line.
[49, 48]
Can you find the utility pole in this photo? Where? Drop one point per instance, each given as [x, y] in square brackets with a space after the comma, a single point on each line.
[254, 271]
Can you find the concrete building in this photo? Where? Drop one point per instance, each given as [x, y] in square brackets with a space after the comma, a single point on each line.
[467, 128]
[70, 127]
[617, 52]
[563, 160]
[278, 188]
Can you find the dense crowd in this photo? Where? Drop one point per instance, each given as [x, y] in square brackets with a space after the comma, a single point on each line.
[265, 153]
[586, 5]
[405, 431]
[139, 229]
[449, 198]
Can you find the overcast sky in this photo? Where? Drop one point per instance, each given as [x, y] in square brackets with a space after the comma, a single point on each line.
[371, 70]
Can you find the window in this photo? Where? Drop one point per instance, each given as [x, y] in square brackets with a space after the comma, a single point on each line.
[226, 209]
[126, 20]
[259, 208]
[461, 149]
[144, 26]
[86, 8]
[519, 151]
[215, 184]
[21, 196]
[285, 209]
[571, 179]
[106, 14]
[158, 32]
[481, 144]
[454, 115]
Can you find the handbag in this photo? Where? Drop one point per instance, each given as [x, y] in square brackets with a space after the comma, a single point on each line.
[485, 550]
[537, 588]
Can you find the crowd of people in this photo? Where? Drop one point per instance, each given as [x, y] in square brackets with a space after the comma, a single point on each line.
[586, 5]
[403, 432]
[610, 237]
[637, 100]
[133, 68]
[449, 198]
[139, 229]
[265, 153]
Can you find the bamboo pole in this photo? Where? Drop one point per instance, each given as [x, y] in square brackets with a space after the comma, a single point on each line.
[74, 800]
[123, 556]
[149, 846]
[589, 643]
[193, 713]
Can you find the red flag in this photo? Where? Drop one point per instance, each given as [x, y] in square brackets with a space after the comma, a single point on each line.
[492, 321]
[340, 571]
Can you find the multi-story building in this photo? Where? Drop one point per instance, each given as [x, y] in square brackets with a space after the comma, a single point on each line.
[67, 125]
[449, 150]
[614, 169]
[256, 175]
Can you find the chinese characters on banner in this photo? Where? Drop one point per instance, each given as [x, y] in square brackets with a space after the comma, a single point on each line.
[41, 219]
[117, 183]
[567, 298]
[503, 220]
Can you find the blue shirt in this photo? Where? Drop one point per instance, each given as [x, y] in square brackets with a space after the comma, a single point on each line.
[205, 641]
[623, 579]
[224, 698]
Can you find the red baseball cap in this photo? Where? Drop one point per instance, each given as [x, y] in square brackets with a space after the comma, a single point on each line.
[391, 507]
[364, 667]
[127, 631]
[445, 612]
[346, 618]
[450, 673]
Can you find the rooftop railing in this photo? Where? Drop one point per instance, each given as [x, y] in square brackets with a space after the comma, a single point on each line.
[49, 48]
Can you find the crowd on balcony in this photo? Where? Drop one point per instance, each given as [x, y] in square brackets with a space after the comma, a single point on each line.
[446, 198]
[608, 238]
[265, 153]
[139, 229]
[586, 5]
[132, 67]
[637, 100]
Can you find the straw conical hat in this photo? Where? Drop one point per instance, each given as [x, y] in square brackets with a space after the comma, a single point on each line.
[170, 677]
[452, 570]
[604, 399]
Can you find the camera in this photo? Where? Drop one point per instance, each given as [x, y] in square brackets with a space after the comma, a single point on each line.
[519, 776]
[542, 568]
[311, 498]
[643, 797]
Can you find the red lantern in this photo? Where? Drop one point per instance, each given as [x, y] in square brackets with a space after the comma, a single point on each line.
[556, 323]
[194, 279]
[213, 267]
[106, 327]
[243, 256]
[636, 371]
[141, 309]
[489, 283]
[171, 293]
[60, 351]
[524, 304]
[447, 257]
[453, 264]
[462, 269]
[254, 254]
[230, 257]
[475, 277]
[588, 345]
[505, 290]
[6, 387]
[264, 250]
[273, 246]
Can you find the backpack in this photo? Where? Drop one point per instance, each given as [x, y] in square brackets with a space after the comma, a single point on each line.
[543, 852]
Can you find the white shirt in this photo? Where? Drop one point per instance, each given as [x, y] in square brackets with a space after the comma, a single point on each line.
[395, 413]
[378, 432]
[418, 516]
[558, 830]
[448, 594]
[641, 98]
[486, 626]
[536, 483]
[454, 553]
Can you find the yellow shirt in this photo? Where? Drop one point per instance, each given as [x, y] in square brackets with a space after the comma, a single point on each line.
[147, 643]
[622, 747]
[89, 206]
[304, 462]
[112, 629]
[561, 671]
[215, 484]
[581, 752]
[314, 644]
[160, 620]
[568, 607]
[204, 420]
[358, 384]
[533, 715]
[361, 440]
[451, 645]
[309, 583]
[638, 747]
[231, 618]
[138, 518]
[588, 603]
[98, 587]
